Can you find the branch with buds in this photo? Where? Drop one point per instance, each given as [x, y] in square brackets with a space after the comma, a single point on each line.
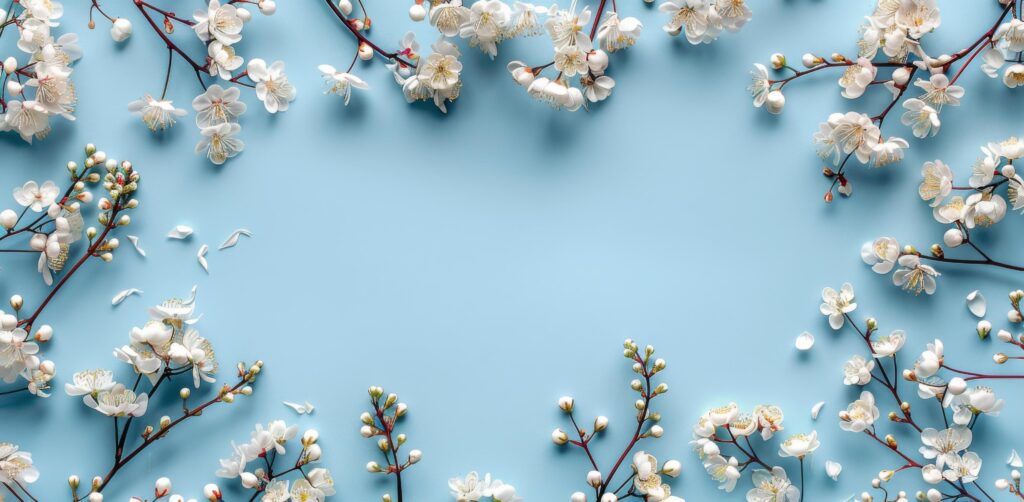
[52, 235]
[646, 479]
[219, 27]
[892, 39]
[381, 422]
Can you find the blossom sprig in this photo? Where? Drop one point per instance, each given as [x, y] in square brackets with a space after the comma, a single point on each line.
[722, 440]
[646, 480]
[274, 480]
[17, 471]
[474, 488]
[381, 422]
[218, 107]
[1011, 484]
[581, 40]
[892, 41]
[162, 489]
[39, 87]
[944, 457]
[983, 205]
[51, 221]
[165, 348]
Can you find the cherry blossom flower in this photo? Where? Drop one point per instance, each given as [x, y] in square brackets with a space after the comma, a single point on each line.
[218, 106]
[158, 114]
[857, 371]
[860, 415]
[772, 486]
[118, 402]
[836, 304]
[36, 197]
[944, 445]
[218, 22]
[272, 86]
[219, 142]
[340, 83]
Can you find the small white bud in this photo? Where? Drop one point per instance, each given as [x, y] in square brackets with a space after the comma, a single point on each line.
[566, 403]
[268, 7]
[10, 64]
[594, 478]
[212, 492]
[345, 6]
[415, 456]
[8, 218]
[14, 87]
[672, 468]
[957, 386]
[600, 423]
[778, 61]
[120, 29]
[163, 487]
[249, 480]
[775, 102]
[365, 52]
[810, 60]
[1013, 316]
[417, 12]
[578, 497]
[953, 237]
[1004, 336]
[559, 437]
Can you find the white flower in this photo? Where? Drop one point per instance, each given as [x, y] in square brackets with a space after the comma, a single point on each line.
[118, 402]
[930, 360]
[775, 102]
[943, 446]
[860, 415]
[976, 401]
[158, 114]
[648, 481]
[28, 118]
[984, 209]
[470, 489]
[799, 445]
[142, 358]
[854, 133]
[1012, 35]
[922, 119]
[120, 29]
[991, 61]
[448, 17]
[276, 491]
[1011, 148]
[733, 13]
[723, 415]
[1014, 75]
[769, 419]
[90, 382]
[615, 34]
[772, 486]
[888, 345]
[964, 468]
[272, 86]
[217, 22]
[321, 479]
[725, 472]
[36, 197]
[856, 78]
[693, 18]
[836, 304]
[198, 352]
[881, 254]
[223, 60]
[598, 89]
[938, 91]
[524, 20]
[556, 94]
[743, 425]
[937, 182]
[55, 92]
[17, 352]
[567, 27]
[502, 492]
[219, 142]
[303, 491]
[16, 466]
[340, 83]
[440, 71]
[918, 17]
[570, 60]
[487, 24]
[857, 371]
[217, 106]
[760, 84]
[914, 276]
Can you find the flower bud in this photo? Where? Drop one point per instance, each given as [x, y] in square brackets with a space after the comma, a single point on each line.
[417, 12]
[365, 52]
[594, 478]
[600, 423]
[657, 431]
[310, 437]
[1000, 358]
[313, 453]
[249, 480]
[165, 422]
[609, 497]
[10, 64]
[984, 328]
[953, 237]
[1004, 336]
[566, 404]
[809, 60]
[578, 497]
[1013, 316]
[267, 7]
[14, 87]
[17, 302]
[415, 456]
[559, 437]
[8, 219]
[44, 333]
[212, 492]
[120, 29]
[672, 468]
[373, 467]
[73, 482]
[345, 6]
[778, 61]
[957, 386]
[95, 497]
[163, 487]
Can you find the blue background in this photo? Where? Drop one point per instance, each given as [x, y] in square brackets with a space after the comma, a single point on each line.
[484, 263]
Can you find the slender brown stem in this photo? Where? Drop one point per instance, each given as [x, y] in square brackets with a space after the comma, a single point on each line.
[363, 39]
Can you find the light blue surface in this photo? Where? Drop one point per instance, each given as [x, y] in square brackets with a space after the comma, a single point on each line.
[485, 263]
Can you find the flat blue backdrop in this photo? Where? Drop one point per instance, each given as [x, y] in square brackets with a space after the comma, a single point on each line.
[484, 263]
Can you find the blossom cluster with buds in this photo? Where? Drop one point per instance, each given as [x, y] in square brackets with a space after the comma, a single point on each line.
[943, 459]
[166, 347]
[982, 207]
[892, 42]
[381, 422]
[266, 446]
[730, 428]
[38, 87]
[219, 27]
[51, 220]
[646, 481]
[581, 43]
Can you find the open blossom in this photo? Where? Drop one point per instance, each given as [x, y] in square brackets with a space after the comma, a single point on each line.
[760, 84]
[90, 382]
[799, 445]
[693, 18]
[881, 254]
[856, 78]
[976, 401]
[769, 419]
[218, 106]
[860, 415]
[570, 60]
[158, 114]
[340, 83]
[938, 91]
[272, 85]
[16, 467]
[725, 471]
[118, 402]
[944, 445]
[854, 133]
[223, 60]
[857, 371]
[922, 119]
[963, 468]
[615, 34]
[218, 22]
[1013, 77]
[648, 481]
[448, 17]
[937, 182]
[914, 276]
[487, 24]
[219, 142]
[772, 486]
[470, 488]
[197, 351]
[836, 304]
[36, 197]
[888, 345]
[918, 17]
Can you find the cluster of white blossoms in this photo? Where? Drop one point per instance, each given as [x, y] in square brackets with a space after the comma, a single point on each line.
[891, 40]
[39, 86]
[219, 27]
[473, 488]
[381, 422]
[581, 43]
[166, 347]
[646, 482]
[725, 426]
[162, 489]
[944, 452]
[16, 470]
[51, 221]
[270, 478]
[981, 206]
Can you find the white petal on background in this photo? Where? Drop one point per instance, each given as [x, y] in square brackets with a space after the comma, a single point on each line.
[233, 238]
[833, 469]
[976, 303]
[180, 232]
[120, 297]
[202, 257]
[1014, 460]
[301, 409]
[805, 341]
[134, 239]
[817, 409]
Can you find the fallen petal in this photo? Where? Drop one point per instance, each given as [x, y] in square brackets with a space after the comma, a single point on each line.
[123, 295]
[180, 232]
[833, 469]
[301, 409]
[202, 257]
[233, 238]
[135, 242]
[805, 341]
[976, 303]
[1014, 460]
[817, 409]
